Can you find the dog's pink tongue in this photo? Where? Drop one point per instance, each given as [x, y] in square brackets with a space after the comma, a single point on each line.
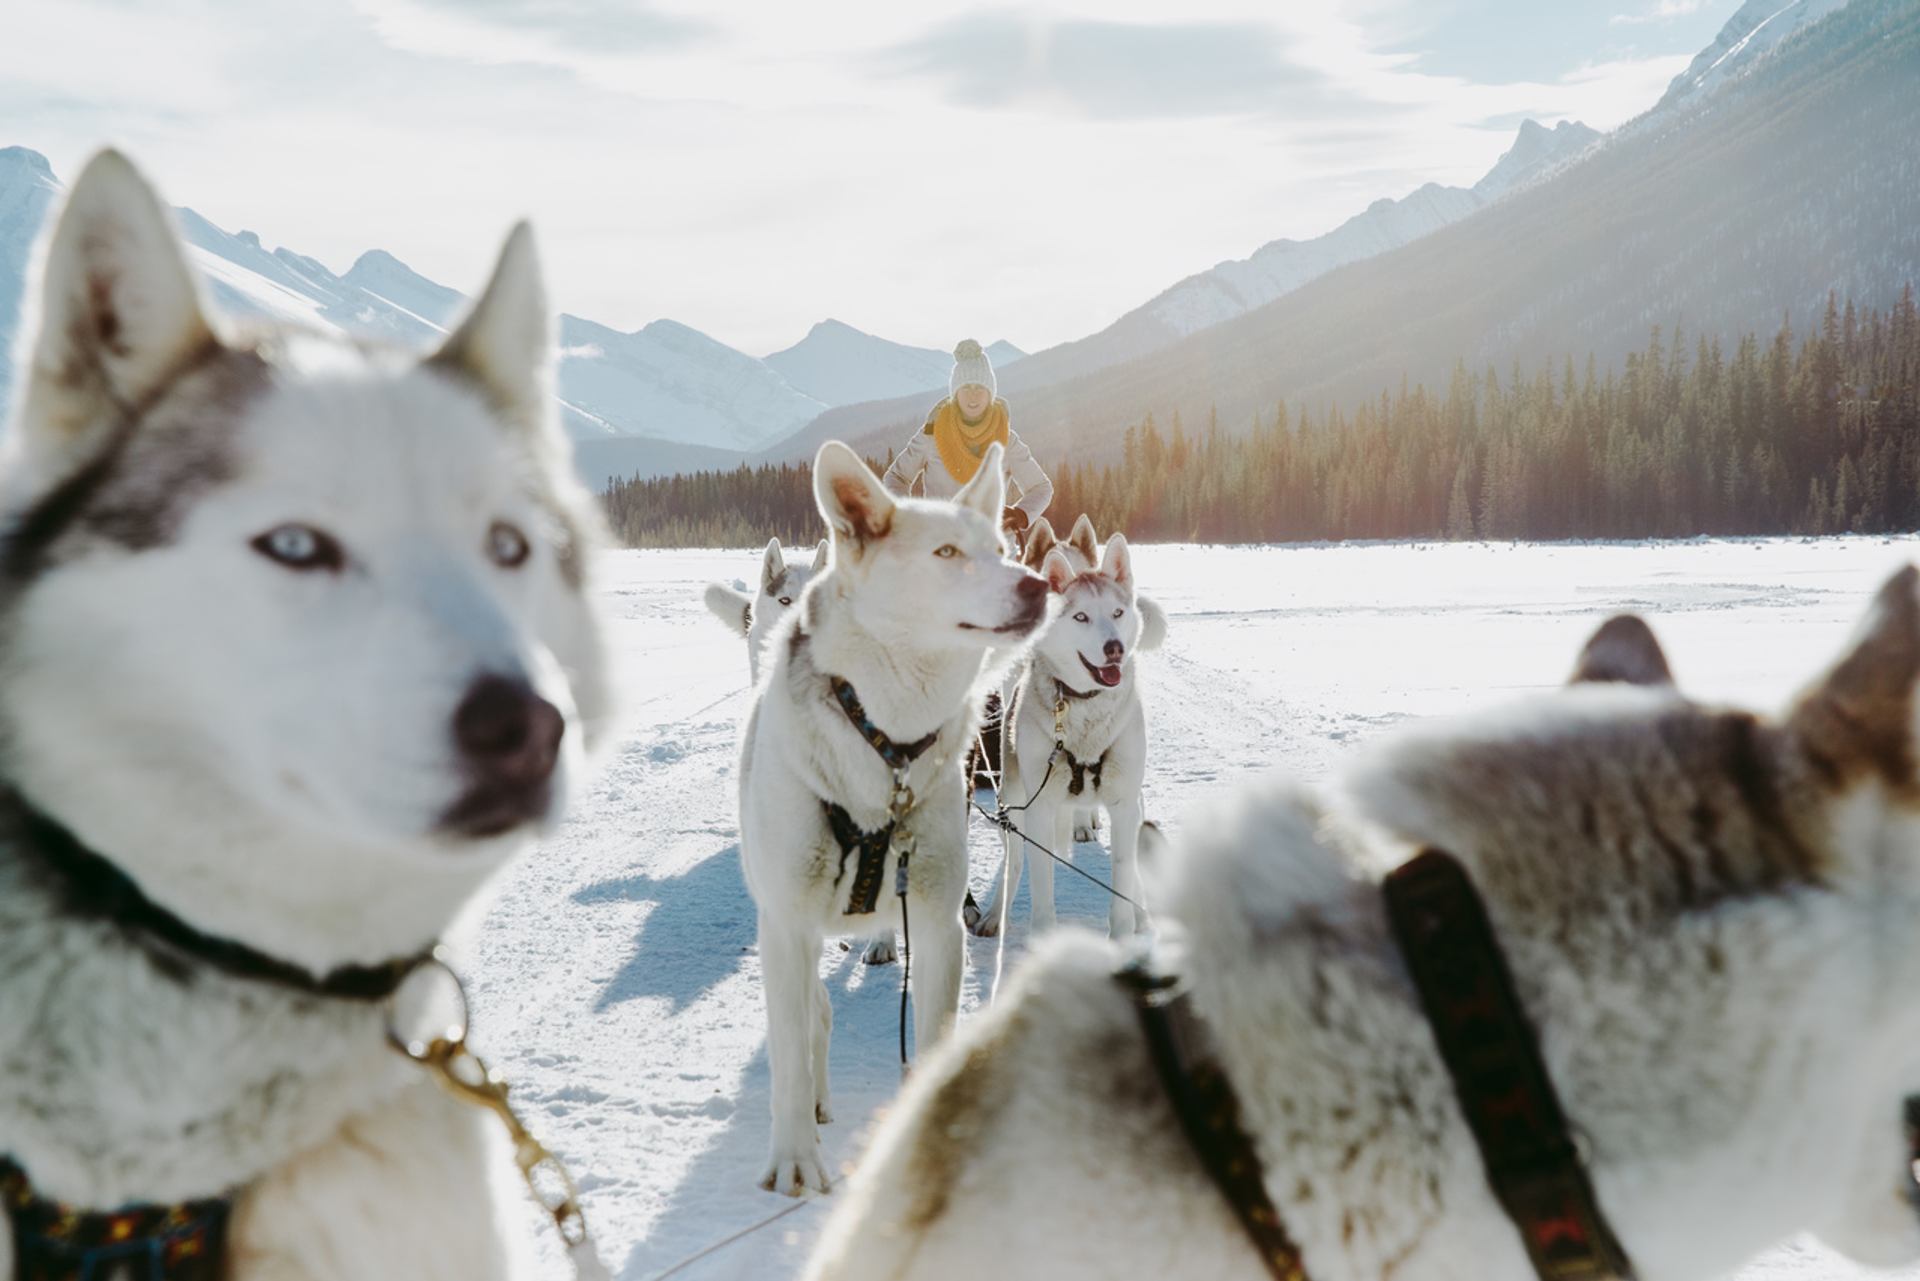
[1107, 675]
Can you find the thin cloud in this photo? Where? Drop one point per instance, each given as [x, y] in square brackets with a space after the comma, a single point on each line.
[591, 26]
[1662, 11]
[1105, 70]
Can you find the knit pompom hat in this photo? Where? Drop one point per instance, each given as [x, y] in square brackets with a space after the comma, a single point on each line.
[971, 367]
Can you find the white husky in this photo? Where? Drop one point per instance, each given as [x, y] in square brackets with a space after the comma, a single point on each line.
[883, 658]
[755, 617]
[1076, 736]
[297, 653]
[1709, 918]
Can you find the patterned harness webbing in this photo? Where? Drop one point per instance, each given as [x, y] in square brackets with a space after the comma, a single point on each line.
[53, 1242]
[1082, 772]
[1492, 1054]
[1209, 1114]
[869, 874]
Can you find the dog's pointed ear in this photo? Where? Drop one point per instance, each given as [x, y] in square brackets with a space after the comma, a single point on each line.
[1058, 571]
[1040, 540]
[504, 345]
[986, 493]
[1622, 650]
[851, 499]
[120, 313]
[1858, 719]
[1153, 622]
[773, 565]
[1116, 562]
[1083, 539]
[820, 556]
[735, 609]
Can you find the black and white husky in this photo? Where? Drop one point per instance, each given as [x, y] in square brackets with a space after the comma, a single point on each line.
[296, 652]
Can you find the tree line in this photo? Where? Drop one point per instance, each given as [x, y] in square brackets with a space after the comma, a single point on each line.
[1811, 435]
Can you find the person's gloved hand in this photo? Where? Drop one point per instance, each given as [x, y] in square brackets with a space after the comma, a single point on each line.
[1014, 521]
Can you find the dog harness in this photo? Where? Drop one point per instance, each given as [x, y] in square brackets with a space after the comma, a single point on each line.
[54, 1242]
[1490, 1050]
[870, 868]
[1209, 1113]
[1081, 770]
[1526, 1145]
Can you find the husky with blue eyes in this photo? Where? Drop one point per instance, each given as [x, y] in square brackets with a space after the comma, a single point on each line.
[1075, 733]
[754, 617]
[299, 650]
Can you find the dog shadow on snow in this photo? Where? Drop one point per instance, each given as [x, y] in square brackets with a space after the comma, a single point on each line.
[702, 926]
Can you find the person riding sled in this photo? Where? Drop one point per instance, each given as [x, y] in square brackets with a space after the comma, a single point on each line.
[947, 450]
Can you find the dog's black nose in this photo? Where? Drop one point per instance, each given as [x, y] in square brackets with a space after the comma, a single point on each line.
[508, 732]
[1115, 651]
[1032, 591]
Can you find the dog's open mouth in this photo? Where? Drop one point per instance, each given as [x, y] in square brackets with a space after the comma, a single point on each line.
[493, 809]
[1108, 676]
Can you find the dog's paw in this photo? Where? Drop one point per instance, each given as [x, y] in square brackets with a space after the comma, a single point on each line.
[1082, 834]
[882, 952]
[796, 1173]
[985, 925]
[970, 911]
[822, 1112]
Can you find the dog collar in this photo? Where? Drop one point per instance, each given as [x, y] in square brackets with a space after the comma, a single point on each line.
[897, 755]
[55, 1242]
[1078, 696]
[93, 887]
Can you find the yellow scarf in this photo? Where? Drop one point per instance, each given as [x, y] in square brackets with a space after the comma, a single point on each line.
[962, 445]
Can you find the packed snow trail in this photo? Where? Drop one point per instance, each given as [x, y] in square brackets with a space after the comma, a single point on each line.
[615, 978]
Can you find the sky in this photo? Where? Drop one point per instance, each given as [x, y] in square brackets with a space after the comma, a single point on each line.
[924, 171]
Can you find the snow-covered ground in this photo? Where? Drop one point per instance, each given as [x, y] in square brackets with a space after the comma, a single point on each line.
[616, 979]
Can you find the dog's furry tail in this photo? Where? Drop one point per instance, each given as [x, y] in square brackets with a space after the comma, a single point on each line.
[733, 608]
[1153, 622]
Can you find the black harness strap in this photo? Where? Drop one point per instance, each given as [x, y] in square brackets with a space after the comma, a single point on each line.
[870, 871]
[1493, 1056]
[54, 1242]
[92, 887]
[1209, 1114]
[1082, 772]
[896, 755]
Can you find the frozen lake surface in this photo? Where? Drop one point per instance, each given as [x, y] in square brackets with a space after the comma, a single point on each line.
[616, 977]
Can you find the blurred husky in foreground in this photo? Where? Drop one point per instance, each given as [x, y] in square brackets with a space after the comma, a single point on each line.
[296, 653]
[884, 657]
[1709, 917]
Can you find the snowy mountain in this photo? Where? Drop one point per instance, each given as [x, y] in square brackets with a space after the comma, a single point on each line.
[27, 190]
[1792, 180]
[841, 365]
[1234, 288]
[1278, 268]
[662, 385]
[1753, 32]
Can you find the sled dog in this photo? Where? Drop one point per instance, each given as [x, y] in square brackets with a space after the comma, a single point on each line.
[1709, 920]
[1076, 737]
[298, 652]
[883, 660]
[754, 617]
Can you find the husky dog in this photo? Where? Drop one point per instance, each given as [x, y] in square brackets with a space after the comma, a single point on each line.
[1709, 919]
[298, 652]
[898, 634]
[1076, 736]
[1082, 550]
[755, 617]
